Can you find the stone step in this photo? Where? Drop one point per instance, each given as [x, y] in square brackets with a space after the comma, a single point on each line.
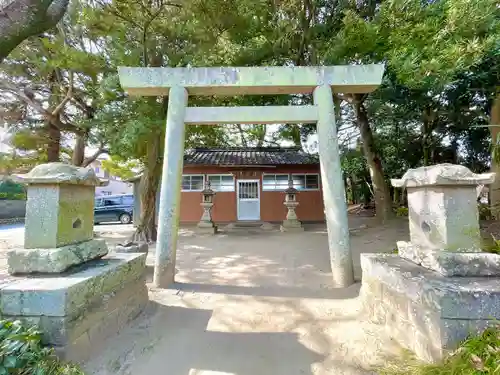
[242, 226]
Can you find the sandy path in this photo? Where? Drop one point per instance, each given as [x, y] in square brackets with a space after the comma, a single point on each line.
[254, 304]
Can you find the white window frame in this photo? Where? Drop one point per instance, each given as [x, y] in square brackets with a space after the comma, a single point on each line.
[305, 182]
[274, 174]
[193, 190]
[221, 175]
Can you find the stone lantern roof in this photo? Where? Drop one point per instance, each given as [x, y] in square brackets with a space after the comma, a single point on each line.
[442, 174]
[208, 191]
[60, 173]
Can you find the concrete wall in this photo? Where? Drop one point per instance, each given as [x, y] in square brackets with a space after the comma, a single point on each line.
[12, 208]
[310, 207]
[114, 187]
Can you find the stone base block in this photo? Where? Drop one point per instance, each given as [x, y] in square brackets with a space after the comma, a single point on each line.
[207, 230]
[267, 226]
[77, 311]
[57, 260]
[291, 229]
[206, 227]
[132, 247]
[424, 311]
[291, 226]
[452, 263]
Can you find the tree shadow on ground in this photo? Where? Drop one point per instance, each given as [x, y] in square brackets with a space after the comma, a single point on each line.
[175, 340]
[287, 292]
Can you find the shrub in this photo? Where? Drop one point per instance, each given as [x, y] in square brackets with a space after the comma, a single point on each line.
[484, 212]
[478, 355]
[492, 246]
[11, 190]
[22, 353]
[402, 211]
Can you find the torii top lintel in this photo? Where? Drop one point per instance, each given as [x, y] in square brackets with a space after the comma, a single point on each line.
[251, 80]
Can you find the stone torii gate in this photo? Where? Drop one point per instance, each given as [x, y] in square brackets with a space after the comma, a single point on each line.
[321, 81]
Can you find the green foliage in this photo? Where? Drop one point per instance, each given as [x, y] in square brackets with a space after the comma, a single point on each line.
[11, 190]
[442, 65]
[402, 211]
[124, 169]
[21, 352]
[491, 245]
[484, 211]
[425, 44]
[477, 355]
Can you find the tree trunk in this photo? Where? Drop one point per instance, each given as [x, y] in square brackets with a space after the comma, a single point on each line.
[395, 196]
[428, 123]
[150, 180]
[426, 137]
[295, 131]
[349, 190]
[403, 198]
[53, 143]
[454, 149]
[382, 195]
[79, 151]
[53, 132]
[495, 161]
[242, 135]
[20, 19]
[146, 228]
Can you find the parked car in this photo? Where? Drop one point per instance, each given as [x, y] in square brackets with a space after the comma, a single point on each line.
[114, 208]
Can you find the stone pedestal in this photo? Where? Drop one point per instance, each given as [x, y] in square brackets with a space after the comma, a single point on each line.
[56, 260]
[75, 298]
[448, 263]
[77, 311]
[435, 292]
[423, 311]
[132, 247]
[206, 225]
[291, 226]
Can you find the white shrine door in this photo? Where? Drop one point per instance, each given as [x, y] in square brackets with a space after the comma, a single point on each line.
[248, 196]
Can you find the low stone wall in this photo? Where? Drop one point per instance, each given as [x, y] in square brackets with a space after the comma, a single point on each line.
[10, 209]
[77, 311]
[423, 311]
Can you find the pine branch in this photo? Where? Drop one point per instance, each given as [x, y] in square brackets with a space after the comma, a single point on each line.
[101, 150]
[20, 19]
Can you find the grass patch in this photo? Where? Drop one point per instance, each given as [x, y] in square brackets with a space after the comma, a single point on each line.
[402, 211]
[491, 245]
[477, 355]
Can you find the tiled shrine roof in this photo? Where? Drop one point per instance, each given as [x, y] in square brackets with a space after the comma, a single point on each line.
[242, 156]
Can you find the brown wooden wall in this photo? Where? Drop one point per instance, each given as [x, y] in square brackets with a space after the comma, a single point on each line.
[271, 202]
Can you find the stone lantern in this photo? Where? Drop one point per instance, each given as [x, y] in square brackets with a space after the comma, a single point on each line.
[59, 220]
[440, 287]
[76, 298]
[443, 220]
[206, 225]
[291, 223]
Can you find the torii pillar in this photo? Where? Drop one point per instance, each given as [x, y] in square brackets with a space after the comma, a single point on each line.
[321, 81]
